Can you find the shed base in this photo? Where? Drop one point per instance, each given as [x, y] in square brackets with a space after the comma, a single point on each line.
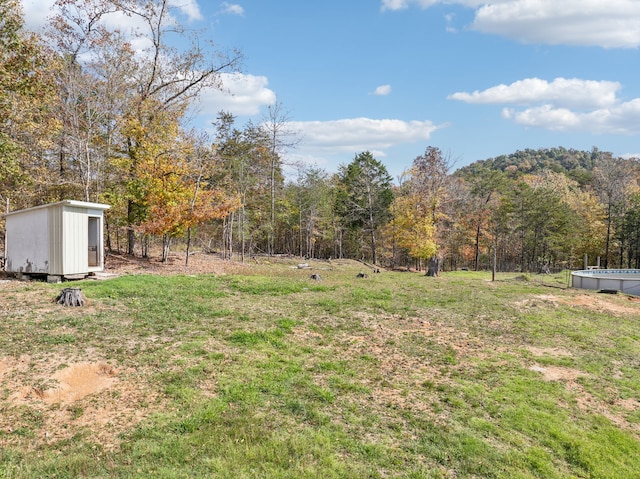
[75, 276]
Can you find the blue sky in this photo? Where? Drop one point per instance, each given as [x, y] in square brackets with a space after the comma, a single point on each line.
[392, 77]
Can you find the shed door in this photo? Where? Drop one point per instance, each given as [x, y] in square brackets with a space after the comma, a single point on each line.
[94, 243]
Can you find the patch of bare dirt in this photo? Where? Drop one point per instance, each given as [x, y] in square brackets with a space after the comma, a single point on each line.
[199, 263]
[586, 401]
[406, 374]
[556, 373]
[589, 403]
[80, 397]
[593, 302]
[72, 384]
[409, 380]
[603, 303]
[556, 352]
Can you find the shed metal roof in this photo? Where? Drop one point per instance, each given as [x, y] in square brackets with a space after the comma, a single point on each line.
[74, 203]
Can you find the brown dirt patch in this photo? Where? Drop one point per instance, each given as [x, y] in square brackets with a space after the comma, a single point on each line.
[589, 403]
[594, 302]
[555, 352]
[85, 397]
[556, 373]
[406, 376]
[199, 263]
[599, 302]
[614, 411]
[72, 384]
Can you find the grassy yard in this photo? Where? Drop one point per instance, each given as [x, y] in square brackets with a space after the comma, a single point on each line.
[273, 375]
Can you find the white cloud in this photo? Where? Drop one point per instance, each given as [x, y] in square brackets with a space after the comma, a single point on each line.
[232, 9]
[403, 4]
[564, 92]
[329, 143]
[394, 5]
[382, 90]
[241, 95]
[36, 13]
[449, 18]
[622, 119]
[190, 8]
[609, 24]
[361, 134]
[563, 105]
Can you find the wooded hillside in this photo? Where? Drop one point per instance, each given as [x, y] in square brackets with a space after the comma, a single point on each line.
[575, 164]
[85, 117]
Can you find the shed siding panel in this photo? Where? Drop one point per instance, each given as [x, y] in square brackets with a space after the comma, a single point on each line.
[75, 241]
[27, 243]
[55, 242]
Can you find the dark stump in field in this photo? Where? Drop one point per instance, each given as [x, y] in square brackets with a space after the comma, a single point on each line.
[433, 266]
[71, 297]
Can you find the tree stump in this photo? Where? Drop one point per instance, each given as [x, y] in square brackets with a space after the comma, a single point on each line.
[434, 265]
[71, 297]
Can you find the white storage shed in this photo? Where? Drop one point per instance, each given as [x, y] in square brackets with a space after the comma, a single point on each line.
[61, 240]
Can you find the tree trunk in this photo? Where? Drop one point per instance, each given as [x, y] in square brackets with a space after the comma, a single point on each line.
[108, 235]
[300, 227]
[87, 179]
[233, 215]
[477, 249]
[241, 226]
[606, 249]
[374, 256]
[272, 226]
[131, 234]
[433, 267]
[166, 243]
[146, 240]
[495, 262]
[186, 260]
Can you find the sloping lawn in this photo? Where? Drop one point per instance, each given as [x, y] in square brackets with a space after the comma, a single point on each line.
[275, 375]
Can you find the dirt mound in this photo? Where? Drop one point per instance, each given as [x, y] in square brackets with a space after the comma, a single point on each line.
[71, 384]
[589, 301]
[68, 399]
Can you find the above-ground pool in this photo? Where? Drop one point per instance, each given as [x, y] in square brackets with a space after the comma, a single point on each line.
[624, 280]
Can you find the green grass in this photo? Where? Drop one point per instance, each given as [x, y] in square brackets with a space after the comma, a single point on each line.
[272, 375]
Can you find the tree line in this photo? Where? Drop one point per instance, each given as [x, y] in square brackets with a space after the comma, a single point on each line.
[85, 115]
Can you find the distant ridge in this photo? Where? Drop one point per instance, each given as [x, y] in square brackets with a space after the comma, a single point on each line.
[576, 164]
